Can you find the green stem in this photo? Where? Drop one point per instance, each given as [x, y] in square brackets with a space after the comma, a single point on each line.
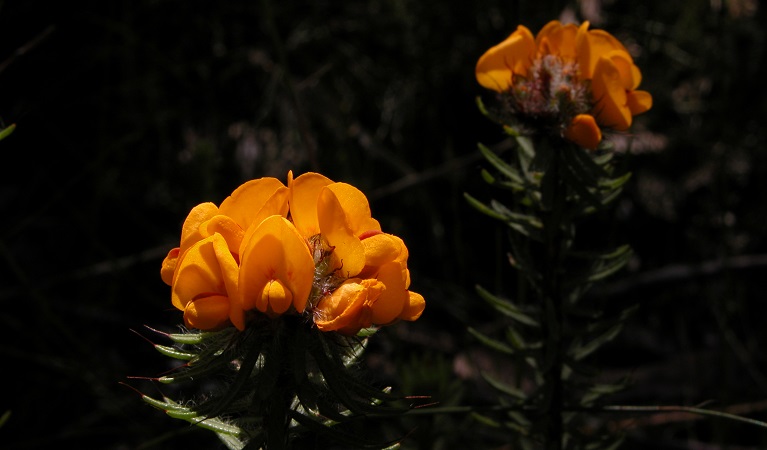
[553, 306]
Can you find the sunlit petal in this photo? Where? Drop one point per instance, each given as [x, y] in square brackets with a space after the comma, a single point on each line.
[304, 192]
[495, 68]
[335, 227]
[414, 307]
[207, 313]
[584, 131]
[275, 251]
[255, 200]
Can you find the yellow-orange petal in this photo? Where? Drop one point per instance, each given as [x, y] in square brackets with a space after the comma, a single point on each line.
[226, 227]
[584, 131]
[304, 192]
[610, 100]
[207, 268]
[639, 102]
[207, 313]
[414, 307]
[255, 200]
[356, 207]
[190, 231]
[348, 308]
[335, 226]
[275, 251]
[393, 299]
[591, 46]
[277, 297]
[496, 67]
[169, 266]
[629, 73]
[557, 39]
[381, 248]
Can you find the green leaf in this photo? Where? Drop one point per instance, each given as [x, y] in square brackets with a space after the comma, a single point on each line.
[484, 420]
[614, 183]
[506, 307]
[482, 108]
[481, 207]
[5, 132]
[581, 351]
[608, 267]
[175, 353]
[492, 343]
[504, 168]
[512, 216]
[599, 390]
[503, 387]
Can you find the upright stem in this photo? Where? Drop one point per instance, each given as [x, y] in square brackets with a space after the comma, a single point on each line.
[553, 305]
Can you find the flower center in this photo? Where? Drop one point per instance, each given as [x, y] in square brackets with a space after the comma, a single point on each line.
[552, 93]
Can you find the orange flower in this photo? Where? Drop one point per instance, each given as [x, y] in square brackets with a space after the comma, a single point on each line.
[225, 226]
[568, 78]
[277, 270]
[349, 308]
[341, 214]
[277, 249]
[250, 203]
[338, 211]
[205, 282]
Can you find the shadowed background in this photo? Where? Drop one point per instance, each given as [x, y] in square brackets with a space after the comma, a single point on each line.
[129, 113]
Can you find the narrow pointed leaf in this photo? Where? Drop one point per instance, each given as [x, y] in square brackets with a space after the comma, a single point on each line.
[492, 343]
[501, 165]
[503, 387]
[506, 307]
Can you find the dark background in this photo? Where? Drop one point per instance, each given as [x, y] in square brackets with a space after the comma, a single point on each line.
[129, 113]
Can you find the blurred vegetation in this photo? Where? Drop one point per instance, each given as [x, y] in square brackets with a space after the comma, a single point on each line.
[128, 113]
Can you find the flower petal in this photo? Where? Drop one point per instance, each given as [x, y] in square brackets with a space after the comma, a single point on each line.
[348, 308]
[276, 296]
[169, 266]
[190, 231]
[207, 268]
[629, 73]
[584, 131]
[381, 248]
[639, 102]
[393, 299]
[495, 68]
[207, 313]
[275, 251]
[557, 39]
[336, 228]
[304, 192]
[591, 46]
[414, 307]
[226, 227]
[610, 108]
[256, 200]
[357, 208]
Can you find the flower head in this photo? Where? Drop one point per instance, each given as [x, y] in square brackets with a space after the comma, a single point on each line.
[568, 80]
[309, 247]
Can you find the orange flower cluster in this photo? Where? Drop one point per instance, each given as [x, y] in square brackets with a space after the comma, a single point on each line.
[274, 249]
[580, 79]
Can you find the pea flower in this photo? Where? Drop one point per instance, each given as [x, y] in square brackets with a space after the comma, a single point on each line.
[567, 80]
[272, 249]
[370, 265]
[204, 271]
